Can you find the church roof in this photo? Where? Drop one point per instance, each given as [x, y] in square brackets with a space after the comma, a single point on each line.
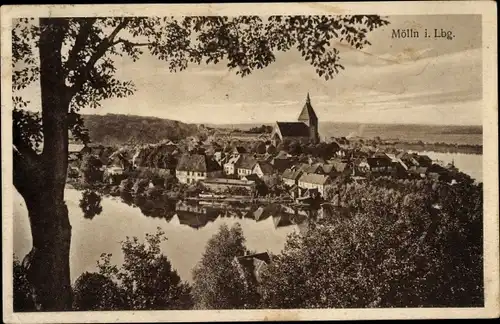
[307, 112]
[293, 129]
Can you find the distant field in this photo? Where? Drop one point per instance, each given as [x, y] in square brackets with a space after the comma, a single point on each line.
[471, 135]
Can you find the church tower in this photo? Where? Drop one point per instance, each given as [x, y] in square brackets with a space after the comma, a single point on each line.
[308, 116]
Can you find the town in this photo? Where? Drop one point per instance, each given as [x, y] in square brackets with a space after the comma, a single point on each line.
[288, 163]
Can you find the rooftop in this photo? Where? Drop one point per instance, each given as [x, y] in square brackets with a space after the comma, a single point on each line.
[314, 178]
[292, 174]
[197, 163]
[293, 129]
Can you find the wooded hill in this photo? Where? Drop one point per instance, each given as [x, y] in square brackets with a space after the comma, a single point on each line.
[116, 129]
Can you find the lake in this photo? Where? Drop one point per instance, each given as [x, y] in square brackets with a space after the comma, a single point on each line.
[188, 230]
[471, 164]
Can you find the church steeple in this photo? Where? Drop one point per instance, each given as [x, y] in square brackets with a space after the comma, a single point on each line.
[308, 116]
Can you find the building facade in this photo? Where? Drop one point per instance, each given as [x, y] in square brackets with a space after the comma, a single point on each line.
[315, 181]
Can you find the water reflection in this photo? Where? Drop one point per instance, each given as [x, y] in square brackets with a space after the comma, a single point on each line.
[197, 214]
[265, 227]
[90, 203]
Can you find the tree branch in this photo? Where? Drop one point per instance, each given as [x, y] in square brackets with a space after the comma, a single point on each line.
[80, 40]
[129, 43]
[27, 170]
[101, 49]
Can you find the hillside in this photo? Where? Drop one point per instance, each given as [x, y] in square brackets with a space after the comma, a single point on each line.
[114, 129]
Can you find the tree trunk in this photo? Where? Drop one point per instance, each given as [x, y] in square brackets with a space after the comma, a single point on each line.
[47, 264]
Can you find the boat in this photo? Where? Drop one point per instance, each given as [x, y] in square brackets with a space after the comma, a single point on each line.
[211, 196]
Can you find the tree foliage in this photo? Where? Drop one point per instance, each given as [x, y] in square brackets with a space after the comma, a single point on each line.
[404, 244]
[146, 279]
[90, 168]
[96, 292]
[243, 43]
[23, 301]
[217, 282]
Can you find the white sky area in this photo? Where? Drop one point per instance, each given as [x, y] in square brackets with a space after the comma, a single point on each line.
[413, 80]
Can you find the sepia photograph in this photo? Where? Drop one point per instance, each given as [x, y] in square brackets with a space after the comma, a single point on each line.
[228, 162]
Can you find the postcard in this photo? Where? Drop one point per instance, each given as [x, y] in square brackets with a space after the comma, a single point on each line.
[244, 162]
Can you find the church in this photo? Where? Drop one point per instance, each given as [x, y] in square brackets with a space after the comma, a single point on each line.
[305, 130]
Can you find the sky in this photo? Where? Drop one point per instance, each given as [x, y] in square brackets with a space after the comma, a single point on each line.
[412, 80]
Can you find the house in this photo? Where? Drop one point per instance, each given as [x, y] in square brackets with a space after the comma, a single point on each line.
[311, 168]
[314, 181]
[76, 151]
[341, 153]
[219, 157]
[252, 177]
[361, 166]
[271, 149]
[420, 172]
[239, 150]
[283, 155]
[304, 130]
[281, 164]
[194, 167]
[423, 160]
[119, 160]
[230, 165]
[438, 172]
[251, 266]
[245, 165]
[379, 164]
[263, 169]
[291, 177]
[336, 168]
[408, 159]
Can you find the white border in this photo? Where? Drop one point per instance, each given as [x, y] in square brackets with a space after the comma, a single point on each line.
[490, 156]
